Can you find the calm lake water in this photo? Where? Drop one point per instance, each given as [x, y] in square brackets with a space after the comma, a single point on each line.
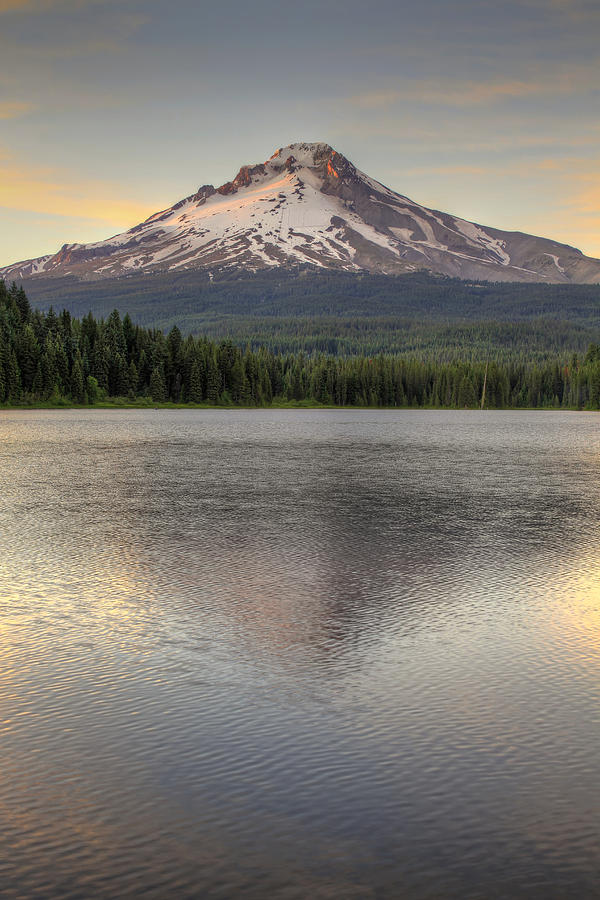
[299, 654]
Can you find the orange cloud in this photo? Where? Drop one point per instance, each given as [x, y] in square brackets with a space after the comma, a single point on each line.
[576, 207]
[587, 195]
[550, 165]
[11, 110]
[458, 94]
[580, 180]
[43, 190]
[458, 169]
[12, 5]
[563, 167]
[42, 5]
[475, 93]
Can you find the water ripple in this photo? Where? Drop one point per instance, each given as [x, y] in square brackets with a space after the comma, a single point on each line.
[299, 654]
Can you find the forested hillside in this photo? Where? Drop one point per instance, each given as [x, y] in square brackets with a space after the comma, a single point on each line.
[432, 318]
[52, 358]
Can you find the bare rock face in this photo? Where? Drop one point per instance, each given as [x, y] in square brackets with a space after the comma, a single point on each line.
[243, 179]
[308, 204]
[204, 193]
[227, 188]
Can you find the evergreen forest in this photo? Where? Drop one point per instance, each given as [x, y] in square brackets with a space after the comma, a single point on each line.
[346, 314]
[50, 359]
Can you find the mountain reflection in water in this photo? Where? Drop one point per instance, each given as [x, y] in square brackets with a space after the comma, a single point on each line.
[299, 653]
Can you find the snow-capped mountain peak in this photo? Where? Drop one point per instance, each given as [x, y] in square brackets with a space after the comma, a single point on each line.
[308, 204]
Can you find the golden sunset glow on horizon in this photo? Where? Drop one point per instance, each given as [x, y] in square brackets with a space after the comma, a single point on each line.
[110, 114]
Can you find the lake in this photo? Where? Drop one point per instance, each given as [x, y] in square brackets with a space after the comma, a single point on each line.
[299, 654]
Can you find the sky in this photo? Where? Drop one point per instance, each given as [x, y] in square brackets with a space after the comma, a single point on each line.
[113, 109]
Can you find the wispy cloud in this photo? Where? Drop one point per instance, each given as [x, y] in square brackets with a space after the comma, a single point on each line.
[51, 41]
[51, 192]
[584, 184]
[445, 137]
[454, 169]
[572, 192]
[40, 6]
[12, 110]
[73, 33]
[558, 81]
[578, 11]
[468, 93]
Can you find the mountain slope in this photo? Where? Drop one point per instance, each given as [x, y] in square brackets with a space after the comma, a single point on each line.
[308, 204]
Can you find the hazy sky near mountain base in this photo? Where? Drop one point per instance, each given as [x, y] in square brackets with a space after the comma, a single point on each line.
[112, 110]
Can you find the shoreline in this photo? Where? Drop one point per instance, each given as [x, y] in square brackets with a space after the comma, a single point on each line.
[143, 405]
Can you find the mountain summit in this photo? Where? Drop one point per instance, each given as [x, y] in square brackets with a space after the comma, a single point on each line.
[308, 204]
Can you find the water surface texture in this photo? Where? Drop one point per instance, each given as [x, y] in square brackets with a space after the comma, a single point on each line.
[299, 654]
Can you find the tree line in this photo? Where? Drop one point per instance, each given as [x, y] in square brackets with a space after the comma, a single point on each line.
[45, 357]
[532, 340]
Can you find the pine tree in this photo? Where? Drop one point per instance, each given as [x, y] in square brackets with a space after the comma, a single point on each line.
[132, 380]
[119, 376]
[28, 355]
[77, 389]
[115, 337]
[157, 385]
[213, 380]
[37, 387]
[195, 391]
[466, 393]
[49, 370]
[23, 305]
[2, 372]
[12, 378]
[236, 380]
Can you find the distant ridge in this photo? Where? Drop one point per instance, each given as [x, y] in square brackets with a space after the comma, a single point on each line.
[309, 205]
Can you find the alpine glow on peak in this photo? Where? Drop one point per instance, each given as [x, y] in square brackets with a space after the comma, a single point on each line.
[309, 205]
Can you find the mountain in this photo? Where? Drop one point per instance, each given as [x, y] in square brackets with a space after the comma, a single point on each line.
[309, 205]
